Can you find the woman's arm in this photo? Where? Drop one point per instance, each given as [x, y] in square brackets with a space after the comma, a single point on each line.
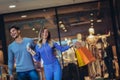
[61, 48]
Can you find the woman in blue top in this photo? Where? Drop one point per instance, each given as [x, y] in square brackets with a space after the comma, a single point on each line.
[45, 50]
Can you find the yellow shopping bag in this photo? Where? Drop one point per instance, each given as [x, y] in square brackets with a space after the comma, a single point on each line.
[79, 58]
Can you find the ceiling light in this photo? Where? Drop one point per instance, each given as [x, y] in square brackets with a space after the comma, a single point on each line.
[33, 29]
[65, 30]
[62, 25]
[91, 24]
[36, 31]
[91, 20]
[65, 39]
[99, 20]
[12, 6]
[91, 14]
[23, 16]
[60, 22]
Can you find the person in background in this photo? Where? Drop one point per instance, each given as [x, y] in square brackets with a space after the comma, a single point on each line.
[17, 52]
[45, 50]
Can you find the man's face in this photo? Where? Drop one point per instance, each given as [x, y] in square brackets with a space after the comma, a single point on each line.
[14, 33]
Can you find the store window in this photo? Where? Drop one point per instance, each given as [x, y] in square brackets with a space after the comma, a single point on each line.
[32, 22]
[87, 26]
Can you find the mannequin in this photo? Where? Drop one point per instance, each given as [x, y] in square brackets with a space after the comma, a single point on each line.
[92, 39]
[83, 70]
[94, 67]
[70, 63]
[69, 55]
[91, 42]
[79, 43]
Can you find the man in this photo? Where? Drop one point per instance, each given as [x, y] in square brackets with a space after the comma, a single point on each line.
[17, 52]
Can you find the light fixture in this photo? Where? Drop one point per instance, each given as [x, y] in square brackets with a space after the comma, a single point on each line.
[33, 29]
[99, 20]
[91, 14]
[23, 16]
[66, 39]
[36, 31]
[65, 30]
[12, 6]
[91, 20]
[91, 24]
[62, 25]
[60, 22]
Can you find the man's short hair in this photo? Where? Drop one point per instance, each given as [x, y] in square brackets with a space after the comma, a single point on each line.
[14, 26]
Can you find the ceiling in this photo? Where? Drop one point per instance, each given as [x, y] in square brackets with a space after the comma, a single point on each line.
[23, 5]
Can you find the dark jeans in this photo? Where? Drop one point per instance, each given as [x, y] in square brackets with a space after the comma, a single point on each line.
[83, 71]
[28, 75]
[109, 65]
[71, 72]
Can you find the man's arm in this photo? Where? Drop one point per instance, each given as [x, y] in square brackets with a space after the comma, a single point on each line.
[10, 61]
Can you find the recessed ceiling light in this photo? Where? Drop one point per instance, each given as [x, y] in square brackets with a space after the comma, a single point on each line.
[23, 16]
[12, 6]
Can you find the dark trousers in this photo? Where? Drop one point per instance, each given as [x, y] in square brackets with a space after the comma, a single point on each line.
[71, 72]
[109, 65]
[28, 75]
[83, 71]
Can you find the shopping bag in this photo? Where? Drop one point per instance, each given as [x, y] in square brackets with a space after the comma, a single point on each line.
[88, 54]
[79, 58]
[84, 57]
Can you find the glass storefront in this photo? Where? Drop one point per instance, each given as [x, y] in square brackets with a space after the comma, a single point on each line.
[86, 25]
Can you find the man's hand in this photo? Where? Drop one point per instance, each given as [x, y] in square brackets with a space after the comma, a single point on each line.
[11, 77]
[31, 51]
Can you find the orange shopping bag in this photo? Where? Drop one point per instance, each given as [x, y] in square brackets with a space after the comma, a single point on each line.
[79, 58]
[88, 54]
[84, 57]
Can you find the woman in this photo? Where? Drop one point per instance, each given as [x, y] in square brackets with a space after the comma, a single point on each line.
[45, 50]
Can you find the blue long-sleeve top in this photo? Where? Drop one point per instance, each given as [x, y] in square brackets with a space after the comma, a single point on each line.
[46, 52]
[17, 52]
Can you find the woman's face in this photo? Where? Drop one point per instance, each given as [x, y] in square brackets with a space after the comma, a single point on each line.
[45, 34]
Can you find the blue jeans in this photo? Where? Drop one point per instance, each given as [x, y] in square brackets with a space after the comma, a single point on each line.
[53, 71]
[28, 75]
